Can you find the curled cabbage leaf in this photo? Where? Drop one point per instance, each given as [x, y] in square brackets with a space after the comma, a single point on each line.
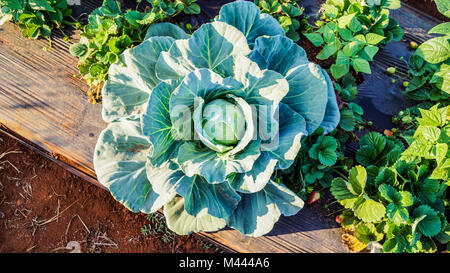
[199, 124]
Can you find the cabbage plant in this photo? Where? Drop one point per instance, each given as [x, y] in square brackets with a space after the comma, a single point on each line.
[199, 124]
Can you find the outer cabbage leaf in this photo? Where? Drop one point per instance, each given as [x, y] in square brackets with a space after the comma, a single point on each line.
[246, 17]
[166, 30]
[308, 87]
[132, 79]
[261, 87]
[219, 200]
[257, 212]
[213, 46]
[120, 164]
[183, 223]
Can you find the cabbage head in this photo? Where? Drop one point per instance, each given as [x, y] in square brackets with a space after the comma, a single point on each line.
[198, 124]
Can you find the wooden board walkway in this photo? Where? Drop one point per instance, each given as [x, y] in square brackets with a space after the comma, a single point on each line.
[41, 101]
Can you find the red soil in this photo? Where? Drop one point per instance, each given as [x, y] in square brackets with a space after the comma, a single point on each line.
[34, 191]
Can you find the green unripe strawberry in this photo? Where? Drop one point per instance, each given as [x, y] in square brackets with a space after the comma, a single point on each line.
[391, 70]
[413, 45]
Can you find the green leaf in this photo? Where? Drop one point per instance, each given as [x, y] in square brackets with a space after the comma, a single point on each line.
[345, 20]
[97, 69]
[352, 48]
[397, 214]
[392, 246]
[212, 46]
[355, 25]
[247, 18]
[389, 193]
[443, 28]
[357, 179]
[257, 212]
[156, 124]
[435, 50]
[374, 39]
[78, 50]
[324, 150]
[347, 121]
[315, 38]
[443, 6]
[434, 116]
[430, 133]
[361, 65]
[285, 21]
[331, 11]
[120, 159]
[40, 5]
[12, 4]
[218, 200]
[131, 80]
[308, 87]
[385, 176]
[192, 9]
[393, 4]
[183, 223]
[370, 51]
[342, 191]
[368, 210]
[367, 233]
[5, 17]
[166, 29]
[327, 51]
[345, 34]
[374, 139]
[427, 220]
[339, 70]
[442, 78]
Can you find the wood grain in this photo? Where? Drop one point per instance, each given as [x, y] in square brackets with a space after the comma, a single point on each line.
[41, 99]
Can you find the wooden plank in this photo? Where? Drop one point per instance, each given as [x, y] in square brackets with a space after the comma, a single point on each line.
[41, 101]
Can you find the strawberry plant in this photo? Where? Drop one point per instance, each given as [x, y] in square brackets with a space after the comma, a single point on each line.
[427, 80]
[353, 31]
[429, 67]
[36, 18]
[110, 31]
[351, 117]
[397, 200]
[287, 12]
